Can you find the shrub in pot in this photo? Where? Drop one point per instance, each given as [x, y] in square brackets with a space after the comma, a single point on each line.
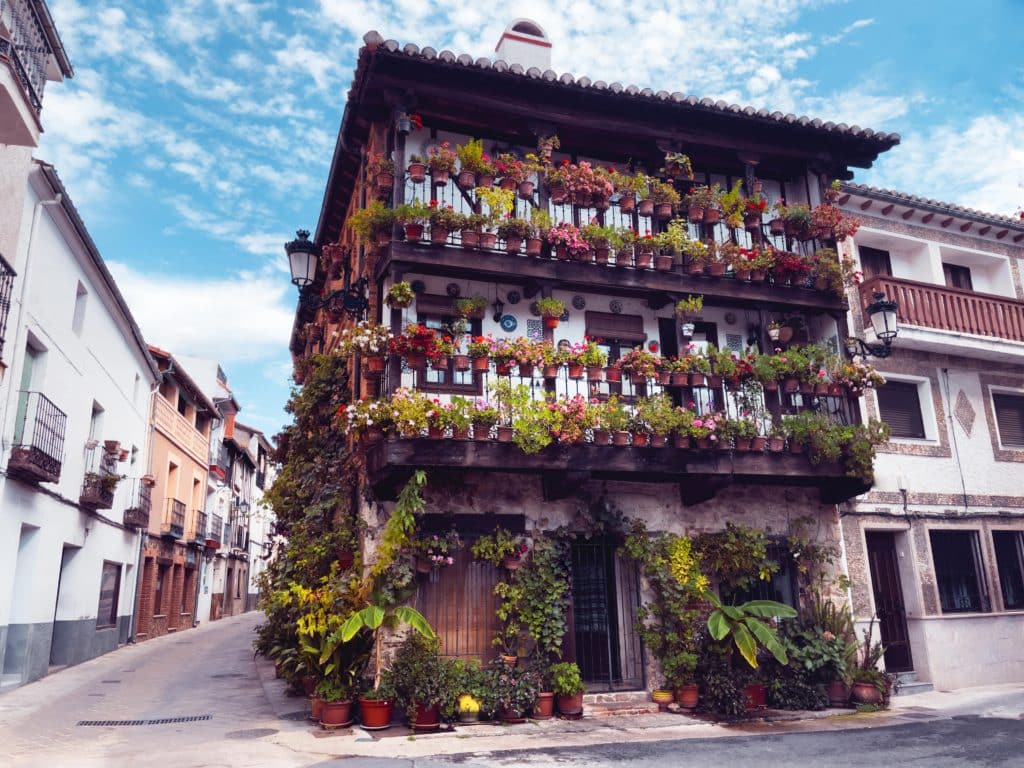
[426, 685]
[568, 686]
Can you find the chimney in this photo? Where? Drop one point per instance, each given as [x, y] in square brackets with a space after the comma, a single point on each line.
[523, 42]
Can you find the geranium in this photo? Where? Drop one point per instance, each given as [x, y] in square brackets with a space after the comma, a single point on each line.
[573, 417]
[526, 351]
[483, 414]
[439, 550]
[640, 363]
[366, 338]
[480, 346]
[416, 339]
[570, 236]
[441, 158]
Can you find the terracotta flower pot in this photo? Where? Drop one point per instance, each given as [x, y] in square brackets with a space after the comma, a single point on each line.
[482, 364]
[712, 215]
[438, 235]
[595, 373]
[682, 442]
[470, 238]
[757, 275]
[466, 179]
[439, 363]
[627, 203]
[663, 211]
[384, 237]
[770, 386]
[417, 173]
[620, 438]
[797, 447]
[384, 181]
[838, 693]
[571, 705]
[602, 437]
[659, 441]
[503, 369]
[460, 433]
[562, 252]
[866, 693]
[413, 232]
[743, 444]
[481, 432]
[376, 714]
[544, 707]
[488, 239]
[505, 434]
[375, 364]
[575, 371]
[335, 713]
[742, 275]
[511, 716]
[613, 374]
[643, 259]
[645, 208]
[716, 269]
[427, 718]
[703, 443]
[758, 444]
[316, 708]
[485, 180]
[756, 695]
[526, 190]
[534, 246]
[550, 322]
[461, 362]
[663, 262]
[601, 255]
[687, 695]
[439, 178]
[695, 268]
[697, 380]
[695, 213]
[821, 388]
[639, 439]
[513, 244]
[526, 370]
[664, 378]
[677, 379]
[776, 444]
[511, 564]
[790, 385]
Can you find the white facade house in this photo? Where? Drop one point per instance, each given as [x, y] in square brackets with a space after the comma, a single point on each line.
[936, 548]
[261, 516]
[73, 445]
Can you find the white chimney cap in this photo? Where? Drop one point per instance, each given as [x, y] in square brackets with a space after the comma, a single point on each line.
[524, 42]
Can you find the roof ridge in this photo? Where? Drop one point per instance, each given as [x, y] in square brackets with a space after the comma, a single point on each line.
[855, 187]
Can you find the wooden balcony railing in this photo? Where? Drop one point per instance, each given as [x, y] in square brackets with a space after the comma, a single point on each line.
[174, 520]
[198, 532]
[950, 309]
[38, 449]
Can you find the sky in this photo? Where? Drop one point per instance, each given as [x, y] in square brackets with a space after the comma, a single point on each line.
[196, 135]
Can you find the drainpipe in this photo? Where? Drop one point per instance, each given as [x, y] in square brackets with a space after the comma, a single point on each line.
[22, 323]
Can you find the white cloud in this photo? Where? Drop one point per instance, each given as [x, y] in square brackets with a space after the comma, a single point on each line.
[244, 318]
[845, 31]
[979, 165]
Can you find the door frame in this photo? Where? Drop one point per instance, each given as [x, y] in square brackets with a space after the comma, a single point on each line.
[889, 550]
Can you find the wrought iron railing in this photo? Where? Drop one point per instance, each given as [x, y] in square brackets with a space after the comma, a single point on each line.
[38, 449]
[174, 520]
[136, 515]
[7, 274]
[98, 490]
[216, 528]
[28, 48]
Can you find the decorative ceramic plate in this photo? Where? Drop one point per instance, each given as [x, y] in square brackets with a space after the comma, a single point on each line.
[509, 323]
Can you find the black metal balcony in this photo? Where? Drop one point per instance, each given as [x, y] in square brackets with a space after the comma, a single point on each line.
[136, 515]
[98, 490]
[198, 533]
[174, 520]
[213, 535]
[7, 274]
[38, 449]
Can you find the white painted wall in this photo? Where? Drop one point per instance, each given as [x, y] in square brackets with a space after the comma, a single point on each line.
[104, 365]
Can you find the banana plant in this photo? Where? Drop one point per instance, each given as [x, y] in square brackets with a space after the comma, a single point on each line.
[741, 625]
[375, 616]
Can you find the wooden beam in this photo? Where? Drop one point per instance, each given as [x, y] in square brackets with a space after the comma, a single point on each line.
[927, 218]
[843, 200]
[946, 222]
[907, 214]
[499, 267]
[965, 226]
[866, 204]
[1002, 233]
[888, 209]
[984, 230]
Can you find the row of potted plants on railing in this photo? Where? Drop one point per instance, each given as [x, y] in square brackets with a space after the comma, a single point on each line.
[809, 369]
[592, 186]
[609, 245]
[515, 416]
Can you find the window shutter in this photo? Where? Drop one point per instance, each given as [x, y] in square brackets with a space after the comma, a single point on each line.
[606, 325]
[900, 408]
[874, 262]
[1010, 418]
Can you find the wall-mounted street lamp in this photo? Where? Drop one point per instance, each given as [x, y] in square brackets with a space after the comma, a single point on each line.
[882, 313]
[302, 261]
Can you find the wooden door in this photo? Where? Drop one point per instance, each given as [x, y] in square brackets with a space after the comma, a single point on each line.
[888, 592]
[459, 603]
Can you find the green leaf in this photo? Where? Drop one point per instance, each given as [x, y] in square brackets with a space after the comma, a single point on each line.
[767, 609]
[718, 625]
[732, 612]
[768, 639]
[372, 616]
[415, 619]
[351, 626]
[745, 643]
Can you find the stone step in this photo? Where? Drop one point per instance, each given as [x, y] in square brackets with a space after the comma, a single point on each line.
[906, 677]
[626, 703]
[909, 689]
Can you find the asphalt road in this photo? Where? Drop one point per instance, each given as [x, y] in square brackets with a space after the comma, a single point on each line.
[961, 741]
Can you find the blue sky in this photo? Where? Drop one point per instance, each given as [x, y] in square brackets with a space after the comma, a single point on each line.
[196, 135]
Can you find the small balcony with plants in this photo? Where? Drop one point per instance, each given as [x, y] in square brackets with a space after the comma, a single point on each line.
[215, 532]
[101, 479]
[173, 526]
[704, 418]
[38, 450]
[136, 514]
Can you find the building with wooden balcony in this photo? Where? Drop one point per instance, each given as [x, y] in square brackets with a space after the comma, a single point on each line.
[74, 401]
[407, 102]
[936, 548]
[182, 418]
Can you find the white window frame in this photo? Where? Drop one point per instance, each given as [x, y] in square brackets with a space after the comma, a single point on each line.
[927, 403]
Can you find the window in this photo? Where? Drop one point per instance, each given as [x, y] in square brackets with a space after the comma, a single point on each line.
[957, 559]
[438, 312]
[96, 422]
[78, 319]
[182, 405]
[957, 277]
[1009, 546]
[899, 405]
[158, 598]
[1009, 411]
[110, 587]
[779, 588]
[874, 262]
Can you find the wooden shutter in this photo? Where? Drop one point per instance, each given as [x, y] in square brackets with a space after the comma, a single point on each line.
[1010, 418]
[608, 326]
[900, 408]
[459, 603]
[957, 277]
[874, 262]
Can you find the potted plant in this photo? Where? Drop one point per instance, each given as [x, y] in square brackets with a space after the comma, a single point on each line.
[540, 222]
[426, 686]
[689, 308]
[639, 364]
[593, 358]
[796, 219]
[614, 418]
[436, 550]
[381, 170]
[399, 295]
[374, 222]
[413, 216]
[443, 221]
[417, 169]
[500, 548]
[870, 684]
[479, 349]
[551, 309]
[499, 203]
[658, 416]
[513, 232]
[678, 166]
[368, 339]
[702, 204]
[473, 163]
[665, 199]
[514, 691]
[441, 161]
[568, 242]
[470, 307]
[483, 416]
[568, 687]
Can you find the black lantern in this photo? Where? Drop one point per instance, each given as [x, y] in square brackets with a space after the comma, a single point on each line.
[301, 259]
[882, 314]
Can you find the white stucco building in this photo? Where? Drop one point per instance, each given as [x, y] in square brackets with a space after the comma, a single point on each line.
[73, 444]
[936, 548]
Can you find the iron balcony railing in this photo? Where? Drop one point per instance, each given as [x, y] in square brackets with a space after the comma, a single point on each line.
[7, 274]
[98, 490]
[136, 515]
[38, 449]
[238, 534]
[27, 48]
[174, 520]
[216, 529]
[198, 534]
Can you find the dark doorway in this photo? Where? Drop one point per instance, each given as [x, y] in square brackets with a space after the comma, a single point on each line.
[604, 600]
[888, 592]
